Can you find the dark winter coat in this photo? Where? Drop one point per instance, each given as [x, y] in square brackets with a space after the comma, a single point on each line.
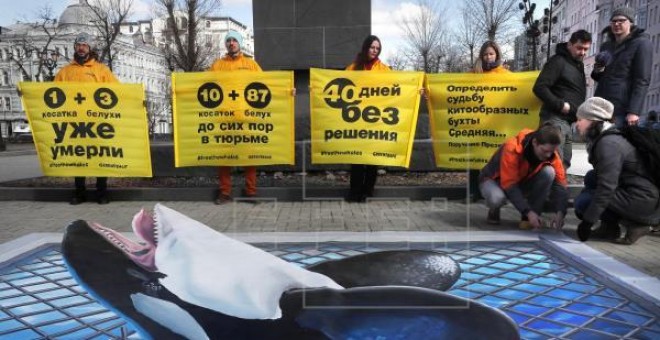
[623, 185]
[626, 78]
[561, 80]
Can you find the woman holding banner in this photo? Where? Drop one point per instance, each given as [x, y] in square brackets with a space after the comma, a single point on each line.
[363, 177]
[490, 61]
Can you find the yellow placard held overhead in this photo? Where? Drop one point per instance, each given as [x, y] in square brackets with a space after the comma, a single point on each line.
[233, 118]
[472, 114]
[362, 117]
[89, 129]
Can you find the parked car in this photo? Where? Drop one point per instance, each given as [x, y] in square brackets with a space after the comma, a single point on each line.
[21, 137]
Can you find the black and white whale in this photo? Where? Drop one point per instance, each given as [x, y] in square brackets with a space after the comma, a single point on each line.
[368, 301]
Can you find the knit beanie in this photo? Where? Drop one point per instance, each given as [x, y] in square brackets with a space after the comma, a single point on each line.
[595, 108]
[624, 12]
[234, 35]
[85, 38]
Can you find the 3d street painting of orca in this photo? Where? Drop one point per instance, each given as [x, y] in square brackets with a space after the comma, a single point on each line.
[185, 280]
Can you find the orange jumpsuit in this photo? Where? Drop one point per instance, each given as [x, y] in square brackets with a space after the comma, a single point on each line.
[228, 63]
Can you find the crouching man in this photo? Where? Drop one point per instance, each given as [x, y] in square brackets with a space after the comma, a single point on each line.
[527, 170]
[620, 189]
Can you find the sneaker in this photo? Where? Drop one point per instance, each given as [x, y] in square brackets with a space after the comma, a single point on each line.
[493, 216]
[77, 199]
[223, 199]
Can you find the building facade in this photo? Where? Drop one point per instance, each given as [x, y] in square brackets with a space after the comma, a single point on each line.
[594, 16]
[35, 52]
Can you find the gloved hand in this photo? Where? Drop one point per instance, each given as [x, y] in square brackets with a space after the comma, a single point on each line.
[603, 59]
[584, 230]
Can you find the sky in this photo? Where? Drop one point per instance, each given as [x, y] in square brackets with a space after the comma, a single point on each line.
[385, 14]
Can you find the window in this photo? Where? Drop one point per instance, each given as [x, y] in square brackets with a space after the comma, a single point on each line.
[4, 77]
[7, 103]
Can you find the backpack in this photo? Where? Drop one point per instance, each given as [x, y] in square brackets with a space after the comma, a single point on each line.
[647, 142]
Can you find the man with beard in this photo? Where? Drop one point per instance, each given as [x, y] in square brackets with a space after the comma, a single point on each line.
[86, 68]
[234, 60]
[623, 68]
[562, 88]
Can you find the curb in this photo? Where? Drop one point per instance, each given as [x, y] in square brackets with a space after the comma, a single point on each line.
[284, 194]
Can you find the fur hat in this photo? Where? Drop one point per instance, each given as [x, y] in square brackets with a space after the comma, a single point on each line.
[234, 35]
[596, 108]
[624, 12]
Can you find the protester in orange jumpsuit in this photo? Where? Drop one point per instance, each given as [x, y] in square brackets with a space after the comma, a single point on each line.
[234, 60]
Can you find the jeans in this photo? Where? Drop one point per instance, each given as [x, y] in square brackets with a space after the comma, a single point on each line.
[536, 190]
[583, 200]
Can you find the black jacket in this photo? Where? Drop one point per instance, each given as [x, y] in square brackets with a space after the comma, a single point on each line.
[561, 80]
[626, 78]
[624, 183]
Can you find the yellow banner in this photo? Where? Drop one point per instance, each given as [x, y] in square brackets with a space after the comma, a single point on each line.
[472, 114]
[363, 117]
[89, 129]
[233, 118]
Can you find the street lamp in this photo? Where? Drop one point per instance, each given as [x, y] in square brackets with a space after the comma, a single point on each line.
[548, 20]
[50, 62]
[532, 30]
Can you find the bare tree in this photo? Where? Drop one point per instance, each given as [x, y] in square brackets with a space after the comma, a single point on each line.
[469, 35]
[182, 28]
[108, 16]
[397, 62]
[423, 29]
[29, 50]
[493, 17]
[454, 60]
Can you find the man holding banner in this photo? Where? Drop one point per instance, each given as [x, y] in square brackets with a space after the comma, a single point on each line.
[234, 60]
[86, 68]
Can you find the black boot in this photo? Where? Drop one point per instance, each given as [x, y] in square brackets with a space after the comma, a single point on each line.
[608, 230]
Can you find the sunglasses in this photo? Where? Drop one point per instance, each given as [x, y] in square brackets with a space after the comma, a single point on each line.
[618, 21]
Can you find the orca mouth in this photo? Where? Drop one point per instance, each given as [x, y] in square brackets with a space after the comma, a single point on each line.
[143, 252]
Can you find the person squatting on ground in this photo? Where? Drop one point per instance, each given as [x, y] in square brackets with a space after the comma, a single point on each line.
[234, 60]
[363, 177]
[562, 87]
[489, 61]
[619, 188]
[528, 171]
[85, 68]
[623, 68]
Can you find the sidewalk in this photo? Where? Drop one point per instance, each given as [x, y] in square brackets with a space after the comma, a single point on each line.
[439, 215]
[20, 218]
